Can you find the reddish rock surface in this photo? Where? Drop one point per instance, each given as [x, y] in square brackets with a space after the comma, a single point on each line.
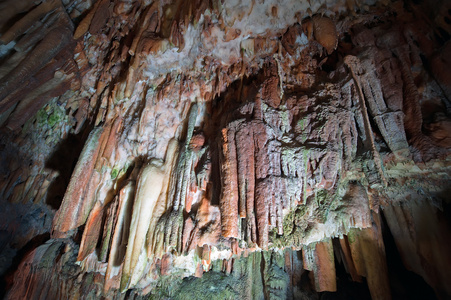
[143, 143]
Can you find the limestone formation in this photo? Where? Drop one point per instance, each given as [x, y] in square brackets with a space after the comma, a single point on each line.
[199, 149]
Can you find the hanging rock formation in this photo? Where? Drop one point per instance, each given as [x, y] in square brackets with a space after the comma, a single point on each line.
[238, 150]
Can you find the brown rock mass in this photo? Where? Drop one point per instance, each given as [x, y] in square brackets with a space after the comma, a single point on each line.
[209, 150]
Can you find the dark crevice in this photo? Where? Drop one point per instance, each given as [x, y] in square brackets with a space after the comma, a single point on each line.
[347, 289]
[404, 284]
[262, 272]
[7, 279]
[443, 36]
[63, 160]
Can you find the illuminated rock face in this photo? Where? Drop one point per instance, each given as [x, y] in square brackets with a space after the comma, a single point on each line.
[147, 142]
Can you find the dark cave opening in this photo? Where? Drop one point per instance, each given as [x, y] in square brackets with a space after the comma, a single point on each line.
[63, 160]
[404, 284]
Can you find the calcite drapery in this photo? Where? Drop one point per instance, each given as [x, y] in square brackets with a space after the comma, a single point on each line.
[149, 206]
[285, 151]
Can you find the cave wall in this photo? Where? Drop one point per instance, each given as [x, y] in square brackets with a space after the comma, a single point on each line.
[273, 150]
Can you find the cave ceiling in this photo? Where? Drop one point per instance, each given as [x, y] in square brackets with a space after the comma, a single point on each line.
[269, 148]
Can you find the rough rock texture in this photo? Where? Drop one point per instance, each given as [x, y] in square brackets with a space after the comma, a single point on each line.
[237, 150]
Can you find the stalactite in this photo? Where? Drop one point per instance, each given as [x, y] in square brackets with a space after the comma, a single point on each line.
[83, 26]
[11, 8]
[150, 22]
[92, 233]
[412, 109]
[149, 206]
[368, 254]
[41, 30]
[40, 56]
[319, 259]
[77, 202]
[414, 226]
[229, 198]
[120, 237]
[353, 63]
[28, 20]
[219, 143]
[323, 30]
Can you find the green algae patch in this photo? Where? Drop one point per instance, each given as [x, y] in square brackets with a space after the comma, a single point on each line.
[166, 287]
[114, 173]
[41, 116]
[51, 115]
[257, 276]
[295, 228]
[53, 119]
[212, 286]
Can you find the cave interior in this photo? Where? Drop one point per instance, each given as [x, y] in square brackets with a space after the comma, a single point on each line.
[211, 149]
